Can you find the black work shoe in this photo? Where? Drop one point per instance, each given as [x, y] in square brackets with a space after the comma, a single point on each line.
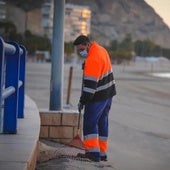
[103, 158]
[88, 155]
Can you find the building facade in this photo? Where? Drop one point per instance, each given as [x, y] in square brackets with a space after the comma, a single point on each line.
[77, 20]
[40, 21]
[47, 18]
[2, 10]
[22, 20]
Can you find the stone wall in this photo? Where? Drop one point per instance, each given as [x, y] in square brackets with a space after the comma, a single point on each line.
[60, 126]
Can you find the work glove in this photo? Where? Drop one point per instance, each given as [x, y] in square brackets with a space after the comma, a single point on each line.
[80, 106]
[83, 64]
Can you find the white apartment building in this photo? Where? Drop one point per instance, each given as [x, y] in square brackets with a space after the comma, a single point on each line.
[47, 18]
[77, 20]
[2, 10]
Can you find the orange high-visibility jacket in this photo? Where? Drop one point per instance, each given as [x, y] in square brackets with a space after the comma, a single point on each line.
[98, 79]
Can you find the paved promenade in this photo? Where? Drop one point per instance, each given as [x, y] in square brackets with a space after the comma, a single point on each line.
[19, 151]
[139, 118]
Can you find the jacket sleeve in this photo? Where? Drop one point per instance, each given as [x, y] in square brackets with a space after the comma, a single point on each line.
[90, 80]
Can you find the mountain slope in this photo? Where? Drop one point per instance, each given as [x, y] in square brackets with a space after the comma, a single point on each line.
[113, 19]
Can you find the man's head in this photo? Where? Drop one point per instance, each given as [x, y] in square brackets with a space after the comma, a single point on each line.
[82, 43]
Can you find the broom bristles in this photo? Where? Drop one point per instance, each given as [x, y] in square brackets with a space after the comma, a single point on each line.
[76, 142]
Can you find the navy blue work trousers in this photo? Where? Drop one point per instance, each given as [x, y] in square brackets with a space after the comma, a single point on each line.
[96, 118]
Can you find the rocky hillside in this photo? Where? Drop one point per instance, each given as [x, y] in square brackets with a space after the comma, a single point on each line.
[113, 19]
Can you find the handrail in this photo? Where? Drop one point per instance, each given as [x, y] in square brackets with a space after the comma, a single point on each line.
[12, 85]
[7, 92]
[9, 49]
[10, 90]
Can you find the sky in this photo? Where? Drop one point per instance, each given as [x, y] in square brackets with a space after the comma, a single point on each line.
[162, 8]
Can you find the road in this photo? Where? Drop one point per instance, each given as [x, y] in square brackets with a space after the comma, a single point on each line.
[139, 122]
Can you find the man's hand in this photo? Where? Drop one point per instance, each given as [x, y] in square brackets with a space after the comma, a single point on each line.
[80, 106]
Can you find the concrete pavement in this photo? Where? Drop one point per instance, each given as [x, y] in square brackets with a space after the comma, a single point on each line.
[19, 151]
[139, 118]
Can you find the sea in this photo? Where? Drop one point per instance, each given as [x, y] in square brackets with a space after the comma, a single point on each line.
[163, 75]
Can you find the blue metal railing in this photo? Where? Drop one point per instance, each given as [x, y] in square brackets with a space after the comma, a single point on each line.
[12, 85]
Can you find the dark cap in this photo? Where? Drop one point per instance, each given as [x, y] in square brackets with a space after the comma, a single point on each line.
[82, 39]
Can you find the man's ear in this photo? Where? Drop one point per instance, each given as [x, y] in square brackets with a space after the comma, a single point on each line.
[88, 46]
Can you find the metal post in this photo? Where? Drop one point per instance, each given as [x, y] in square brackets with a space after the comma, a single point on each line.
[22, 79]
[11, 103]
[57, 59]
[2, 53]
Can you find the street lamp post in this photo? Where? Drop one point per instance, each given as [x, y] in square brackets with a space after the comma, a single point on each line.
[57, 58]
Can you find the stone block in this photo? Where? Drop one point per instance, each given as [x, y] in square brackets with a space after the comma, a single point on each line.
[50, 119]
[70, 119]
[44, 130]
[63, 141]
[61, 132]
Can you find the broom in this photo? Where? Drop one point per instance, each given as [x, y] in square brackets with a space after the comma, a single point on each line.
[77, 141]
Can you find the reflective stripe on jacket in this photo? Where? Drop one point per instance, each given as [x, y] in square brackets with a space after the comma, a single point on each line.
[98, 80]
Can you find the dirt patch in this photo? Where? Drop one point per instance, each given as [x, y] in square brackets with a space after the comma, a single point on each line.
[54, 156]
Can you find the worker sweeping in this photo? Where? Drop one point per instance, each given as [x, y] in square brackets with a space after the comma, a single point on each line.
[96, 98]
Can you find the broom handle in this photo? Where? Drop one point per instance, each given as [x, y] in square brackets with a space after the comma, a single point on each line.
[78, 128]
[79, 117]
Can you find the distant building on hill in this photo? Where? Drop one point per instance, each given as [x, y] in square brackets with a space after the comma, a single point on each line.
[40, 21]
[2, 10]
[22, 20]
[77, 20]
